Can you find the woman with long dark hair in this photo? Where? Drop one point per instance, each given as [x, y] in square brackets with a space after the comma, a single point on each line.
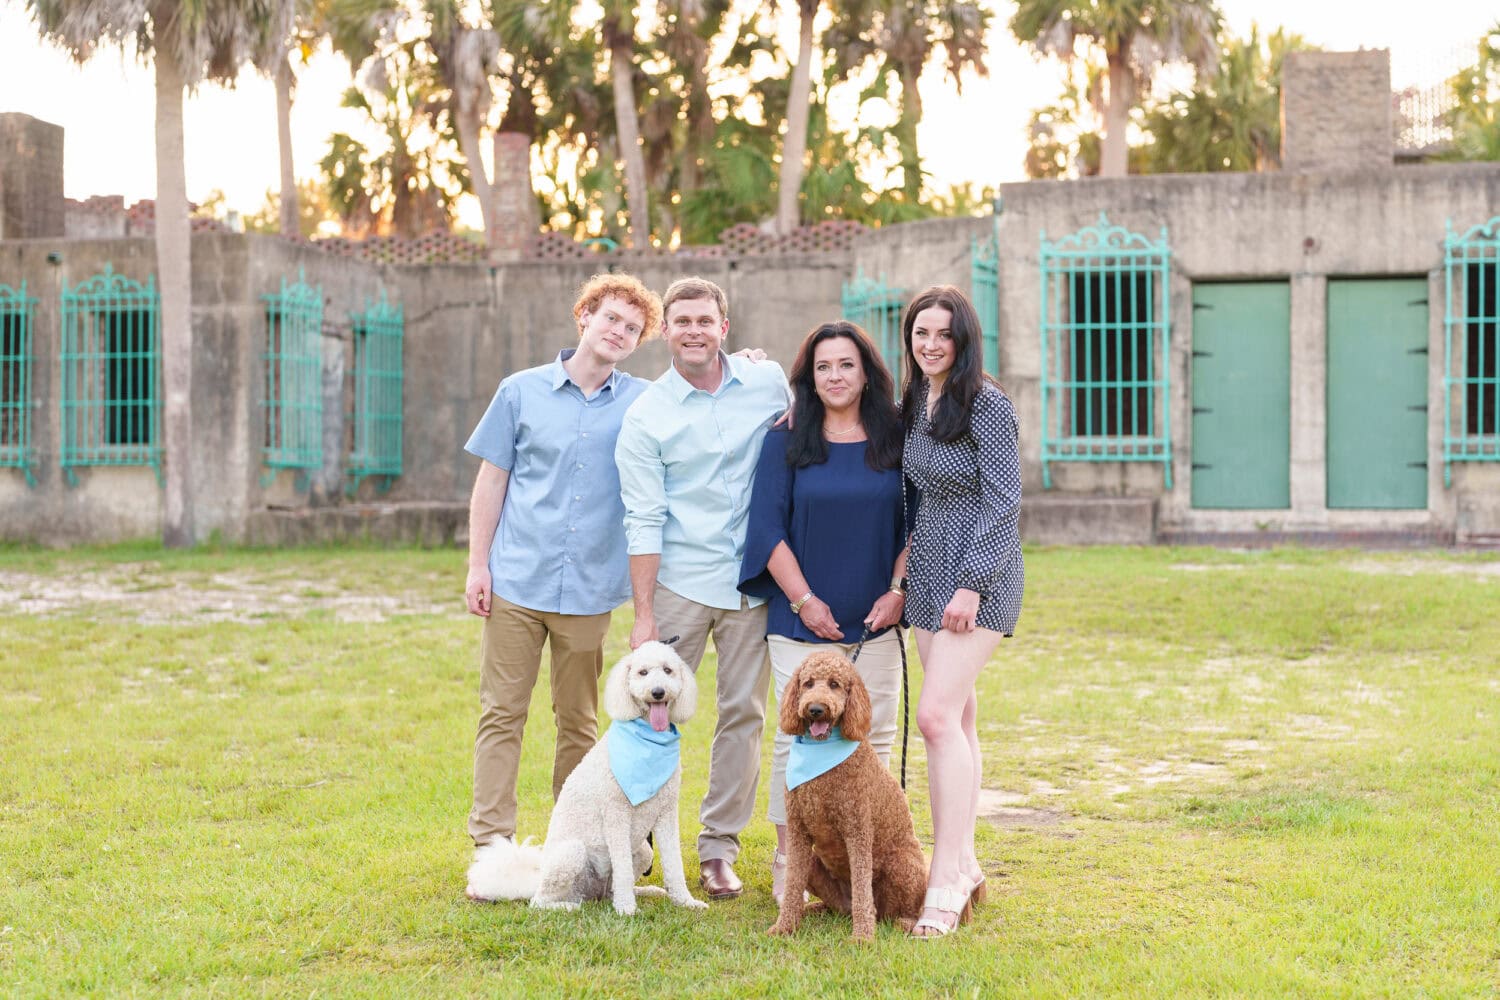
[964, 568]
[824, 544]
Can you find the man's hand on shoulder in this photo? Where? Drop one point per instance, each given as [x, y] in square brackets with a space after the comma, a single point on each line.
[752, 354]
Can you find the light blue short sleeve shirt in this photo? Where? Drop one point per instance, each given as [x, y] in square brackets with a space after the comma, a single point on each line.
[686, 460]
[560, 544]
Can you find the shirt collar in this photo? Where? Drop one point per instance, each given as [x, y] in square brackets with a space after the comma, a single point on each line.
[561, 378]
[681, 388]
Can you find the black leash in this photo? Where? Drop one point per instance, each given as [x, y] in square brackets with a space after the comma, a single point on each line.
[905, 692]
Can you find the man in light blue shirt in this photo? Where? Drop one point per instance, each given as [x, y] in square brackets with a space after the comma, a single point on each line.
[687, 453]
[547, 555]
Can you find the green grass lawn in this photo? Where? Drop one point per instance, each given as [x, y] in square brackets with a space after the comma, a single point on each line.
[1207, 773]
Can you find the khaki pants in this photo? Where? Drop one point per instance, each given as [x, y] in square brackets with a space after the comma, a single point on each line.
[510, 658]
[879, 666]
[743, 678]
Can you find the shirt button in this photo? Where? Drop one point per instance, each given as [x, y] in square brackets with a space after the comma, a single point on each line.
[580, 465]
[572, 529]
[585, 434]
[578, 498]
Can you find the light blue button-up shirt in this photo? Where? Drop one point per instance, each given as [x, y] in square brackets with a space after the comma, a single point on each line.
[559, 546]
[686, 461]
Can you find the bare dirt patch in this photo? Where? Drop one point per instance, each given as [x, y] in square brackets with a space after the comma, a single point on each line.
[139, 592]
[1002, 808]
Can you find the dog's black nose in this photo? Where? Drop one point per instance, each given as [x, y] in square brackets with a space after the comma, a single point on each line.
[816, 711]
[658, 694]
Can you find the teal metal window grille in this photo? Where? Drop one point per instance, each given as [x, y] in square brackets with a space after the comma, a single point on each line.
[378, 334]
[16, 311]
[876, 308]
[293, 359]
[1105, 319]
[111, 374]
[1471, 347]
[984, 266]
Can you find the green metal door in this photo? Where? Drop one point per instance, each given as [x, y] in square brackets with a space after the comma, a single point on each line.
[1377, 394]
[1242, 352]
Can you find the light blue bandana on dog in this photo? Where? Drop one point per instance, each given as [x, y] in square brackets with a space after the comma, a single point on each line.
[642, 759]
[809, 758]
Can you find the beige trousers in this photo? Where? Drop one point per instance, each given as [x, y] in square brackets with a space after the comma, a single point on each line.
[743, 679]
[879, 666]
[510, 659]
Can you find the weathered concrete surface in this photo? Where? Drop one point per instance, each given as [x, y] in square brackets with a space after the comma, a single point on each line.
[467, 326]
[431, 525]
[1064, 519]
[1299, 228]
[31, 178]
[1336, 111]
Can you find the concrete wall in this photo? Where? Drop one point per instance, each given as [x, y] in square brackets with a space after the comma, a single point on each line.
[1336, 111]
[467, 326]
[1302, 228]
[230, 273]
[31, 177]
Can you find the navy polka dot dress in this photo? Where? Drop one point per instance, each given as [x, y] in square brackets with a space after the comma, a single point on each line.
[966, 515]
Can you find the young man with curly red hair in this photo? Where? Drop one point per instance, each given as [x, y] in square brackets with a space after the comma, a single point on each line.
[547, 556]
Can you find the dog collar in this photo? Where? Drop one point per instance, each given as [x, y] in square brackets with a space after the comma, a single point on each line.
[809, 758]
[641, 759]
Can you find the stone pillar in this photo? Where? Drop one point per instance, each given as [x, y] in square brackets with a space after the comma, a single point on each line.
[1336, 111]
[31, 178]
[516, 216]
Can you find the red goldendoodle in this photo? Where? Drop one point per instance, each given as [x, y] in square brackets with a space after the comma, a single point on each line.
[849, 831]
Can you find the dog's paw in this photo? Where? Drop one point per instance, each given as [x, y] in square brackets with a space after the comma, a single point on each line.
[691, 903]
[780, 929]
[624, 908]
[554, 904]
[649, 891]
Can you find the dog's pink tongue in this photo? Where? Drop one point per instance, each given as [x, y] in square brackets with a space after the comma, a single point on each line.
[658, 716]
[819, 729]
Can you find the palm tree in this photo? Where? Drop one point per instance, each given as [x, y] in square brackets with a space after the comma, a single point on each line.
[1061, 142]
[900, 38]
[408, 187]
[466, 56]
[1137, 36]
[794, 144]
[353, 26]
[1232, 121]
[618, 32]
[554, 101]
[187, 41]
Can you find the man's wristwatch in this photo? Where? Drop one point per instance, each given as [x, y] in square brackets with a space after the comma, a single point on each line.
[796, 605]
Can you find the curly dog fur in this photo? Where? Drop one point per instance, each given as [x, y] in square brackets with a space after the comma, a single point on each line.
[849, 831]
[596, 842]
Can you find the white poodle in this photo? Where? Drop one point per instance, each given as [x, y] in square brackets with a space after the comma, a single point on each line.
[596, 843]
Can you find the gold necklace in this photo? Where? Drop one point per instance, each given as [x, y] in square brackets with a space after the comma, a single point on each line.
[847, 430]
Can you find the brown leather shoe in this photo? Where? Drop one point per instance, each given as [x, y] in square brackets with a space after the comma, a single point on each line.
[719, 880]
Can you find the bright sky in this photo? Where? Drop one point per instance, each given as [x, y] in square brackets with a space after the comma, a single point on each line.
[106, 106]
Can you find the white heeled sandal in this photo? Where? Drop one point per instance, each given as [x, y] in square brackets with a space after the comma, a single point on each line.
[944, 901]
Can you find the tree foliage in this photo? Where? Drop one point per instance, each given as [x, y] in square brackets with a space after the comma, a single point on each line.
[1134, 38]
[1475, 116]
[1232, 120]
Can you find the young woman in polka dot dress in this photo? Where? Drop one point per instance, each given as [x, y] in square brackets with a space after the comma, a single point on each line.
[964, 569]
